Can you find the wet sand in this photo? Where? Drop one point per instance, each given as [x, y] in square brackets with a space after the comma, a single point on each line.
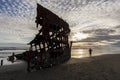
[104, 67]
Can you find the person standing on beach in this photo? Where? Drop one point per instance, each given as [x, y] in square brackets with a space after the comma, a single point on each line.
[90, 52]
[13, 57]
[1, 62]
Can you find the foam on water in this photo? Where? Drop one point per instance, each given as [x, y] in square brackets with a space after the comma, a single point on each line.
[5, 53]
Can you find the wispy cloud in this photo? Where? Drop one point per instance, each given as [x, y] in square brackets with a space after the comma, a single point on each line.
[17, 21]
[17, 17]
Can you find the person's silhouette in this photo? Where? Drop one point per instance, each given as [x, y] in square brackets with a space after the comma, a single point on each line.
[12, 58]
[90, 52]
[1, 62]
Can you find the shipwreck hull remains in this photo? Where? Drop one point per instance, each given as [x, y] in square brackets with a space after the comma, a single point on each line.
[51, 45]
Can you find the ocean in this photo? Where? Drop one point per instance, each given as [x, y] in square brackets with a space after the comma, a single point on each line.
[5, 53]
[96, 51]
[75, 52]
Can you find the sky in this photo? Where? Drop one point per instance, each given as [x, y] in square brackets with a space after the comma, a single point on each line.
[95, 21]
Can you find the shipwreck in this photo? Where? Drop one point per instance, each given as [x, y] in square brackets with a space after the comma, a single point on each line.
[50, 45]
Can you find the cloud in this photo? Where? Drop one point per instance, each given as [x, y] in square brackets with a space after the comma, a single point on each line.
[100, 31]
[99, 16]
[102, 40]
[16, 31]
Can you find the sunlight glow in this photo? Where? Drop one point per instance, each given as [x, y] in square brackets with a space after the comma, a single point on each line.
[79, 36]
[79, 53]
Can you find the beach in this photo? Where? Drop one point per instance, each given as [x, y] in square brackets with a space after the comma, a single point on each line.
[104, 67]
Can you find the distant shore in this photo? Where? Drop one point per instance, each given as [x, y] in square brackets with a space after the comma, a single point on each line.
[104, 67]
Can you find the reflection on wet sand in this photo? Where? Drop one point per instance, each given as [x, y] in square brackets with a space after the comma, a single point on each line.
[79, 53]
[97, 51]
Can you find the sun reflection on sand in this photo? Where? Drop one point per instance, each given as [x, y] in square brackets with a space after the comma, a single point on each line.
[79, 53]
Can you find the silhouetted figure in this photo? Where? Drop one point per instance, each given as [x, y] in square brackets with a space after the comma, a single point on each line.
[1, 62]
[90, 52]
[13, 57]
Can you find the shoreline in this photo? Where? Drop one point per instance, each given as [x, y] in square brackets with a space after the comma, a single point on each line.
[103, 67]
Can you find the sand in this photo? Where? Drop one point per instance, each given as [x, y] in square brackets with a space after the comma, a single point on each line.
[105, 67]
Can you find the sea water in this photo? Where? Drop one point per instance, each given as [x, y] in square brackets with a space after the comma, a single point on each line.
[5, 53]
[96, 51]
[75, 52]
